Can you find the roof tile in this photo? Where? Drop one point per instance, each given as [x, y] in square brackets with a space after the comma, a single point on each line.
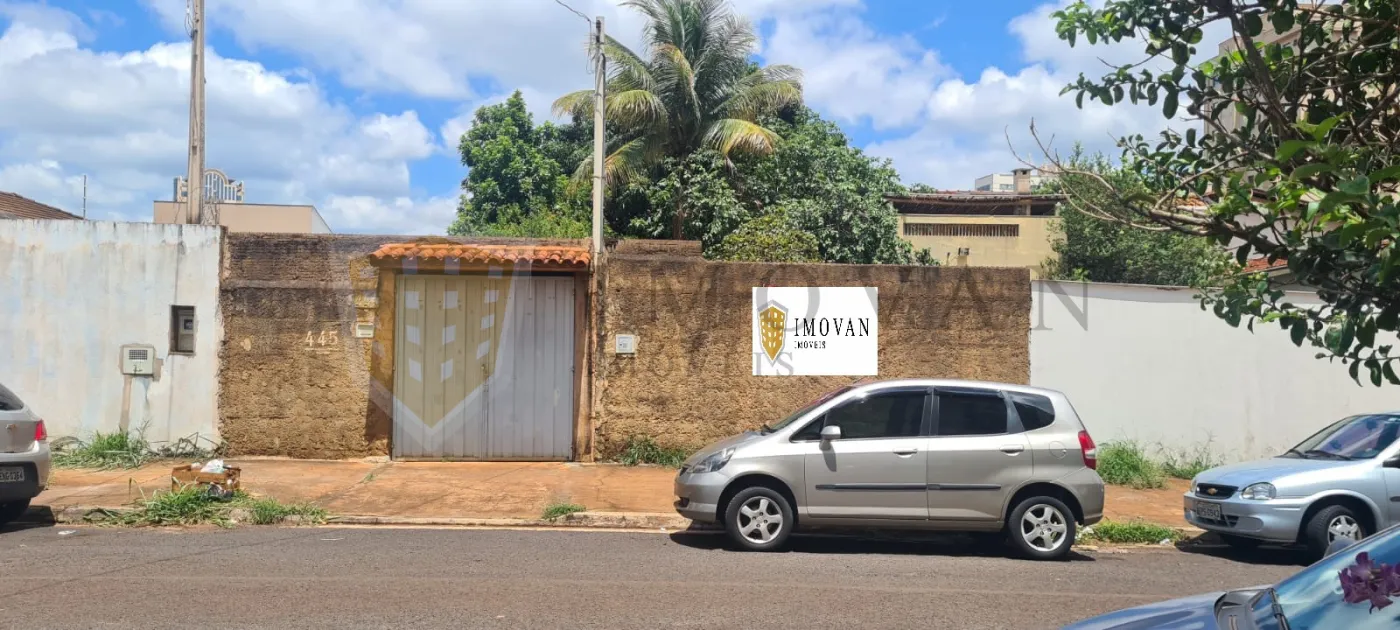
[13, 206]
[501, 254]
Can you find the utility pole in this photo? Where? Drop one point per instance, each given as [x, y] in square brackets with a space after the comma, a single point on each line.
[600, 77]
[84, 196]
[194, 183]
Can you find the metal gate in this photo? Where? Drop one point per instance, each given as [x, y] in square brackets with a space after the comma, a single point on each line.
[484, 367]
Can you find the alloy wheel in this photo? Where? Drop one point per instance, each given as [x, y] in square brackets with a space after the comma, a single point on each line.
[760, 520]
[1343, 526]
[1043, 527]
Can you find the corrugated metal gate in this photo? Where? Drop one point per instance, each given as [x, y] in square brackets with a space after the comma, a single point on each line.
[484, 367]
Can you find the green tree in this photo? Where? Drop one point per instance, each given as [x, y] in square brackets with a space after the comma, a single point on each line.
[1308, 175]
[769, 237]
[513, 186]
[700, 183]
[694, 87]
[1088, 248]
[830, 189]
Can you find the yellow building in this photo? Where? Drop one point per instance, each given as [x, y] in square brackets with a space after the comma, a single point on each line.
[980, 229]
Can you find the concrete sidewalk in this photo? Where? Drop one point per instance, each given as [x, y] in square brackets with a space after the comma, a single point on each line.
[443, 492]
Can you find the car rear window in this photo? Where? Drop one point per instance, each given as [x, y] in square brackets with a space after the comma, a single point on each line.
[1036, 411]
[9, 401]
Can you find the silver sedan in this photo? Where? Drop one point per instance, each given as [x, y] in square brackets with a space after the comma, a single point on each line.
[1343, 482]
[24, 456]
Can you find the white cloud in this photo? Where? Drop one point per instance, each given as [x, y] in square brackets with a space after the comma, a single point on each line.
[967, 122]
[123, 120]
[852, 73]
[399, 215]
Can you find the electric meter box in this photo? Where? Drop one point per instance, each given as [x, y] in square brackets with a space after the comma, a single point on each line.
[138, 360]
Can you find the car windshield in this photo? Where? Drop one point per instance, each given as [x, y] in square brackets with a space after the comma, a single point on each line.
[1357, 437]
[1312, 598]
[806, 408]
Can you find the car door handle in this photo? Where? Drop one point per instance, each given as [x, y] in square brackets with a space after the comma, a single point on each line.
[906, 453]
[1012, 449]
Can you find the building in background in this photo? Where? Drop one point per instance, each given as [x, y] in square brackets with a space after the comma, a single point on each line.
[238, 216]
[1006, 182]
[14, 206]
[981, 228]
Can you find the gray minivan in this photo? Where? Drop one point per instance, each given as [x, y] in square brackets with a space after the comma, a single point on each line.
[24, 456]
[906, 454]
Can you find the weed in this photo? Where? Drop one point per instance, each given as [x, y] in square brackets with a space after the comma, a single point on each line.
[104, 451]
[557, 510]
[194, 505]
[267, 511]
[642, 450]
[1184, 464]
[1127, 464]
[130, 449]
[1130, 532]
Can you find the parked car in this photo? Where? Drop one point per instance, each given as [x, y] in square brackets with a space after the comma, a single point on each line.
[1309, 599]
[24, 456]
[1343, 482]
[910, 454]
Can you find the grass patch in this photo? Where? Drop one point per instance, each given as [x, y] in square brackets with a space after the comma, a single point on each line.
[1132, 532]
[106, 451]
[1127, 464]
[195, 506]
[558, 510]
[642, 450]
[1188, 464]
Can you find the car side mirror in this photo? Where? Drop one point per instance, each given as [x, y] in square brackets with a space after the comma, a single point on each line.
[1393, 462]
[830, 433]
[1339, 545]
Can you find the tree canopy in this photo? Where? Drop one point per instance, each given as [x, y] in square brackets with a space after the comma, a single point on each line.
[1297, 162]
[514, 186]
[1093, 250]
[692, 88]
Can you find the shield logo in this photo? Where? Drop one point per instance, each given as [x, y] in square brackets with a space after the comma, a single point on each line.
[1210, 491]
[772, 329]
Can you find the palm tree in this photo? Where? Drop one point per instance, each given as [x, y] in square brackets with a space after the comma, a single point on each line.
[695, 88]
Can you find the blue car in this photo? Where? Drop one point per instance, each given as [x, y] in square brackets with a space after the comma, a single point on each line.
[1309, 600]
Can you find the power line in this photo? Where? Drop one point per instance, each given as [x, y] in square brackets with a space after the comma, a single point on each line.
[576, 11]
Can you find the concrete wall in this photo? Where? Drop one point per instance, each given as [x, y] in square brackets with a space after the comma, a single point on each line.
[296, 382]
[75, 291]
[1029, 249]
[255, 217]
[690, 380]
[1147, 364]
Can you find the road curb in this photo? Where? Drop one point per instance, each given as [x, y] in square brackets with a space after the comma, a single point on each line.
[581, 520]
[79, 514]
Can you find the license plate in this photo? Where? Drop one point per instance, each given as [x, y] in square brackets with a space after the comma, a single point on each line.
[11, 474]
[1208, 511]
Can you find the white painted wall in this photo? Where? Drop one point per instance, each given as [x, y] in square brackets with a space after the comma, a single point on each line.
[1146, 363]
[72, 292]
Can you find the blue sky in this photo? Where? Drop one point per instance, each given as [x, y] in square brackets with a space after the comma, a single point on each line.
[356, 107]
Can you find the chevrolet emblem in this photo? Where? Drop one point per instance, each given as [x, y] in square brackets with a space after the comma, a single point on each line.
[1211, 491]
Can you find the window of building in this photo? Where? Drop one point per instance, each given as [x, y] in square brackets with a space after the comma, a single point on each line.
[971, 414]
[982, 230]
[896, 414]
[182, 329]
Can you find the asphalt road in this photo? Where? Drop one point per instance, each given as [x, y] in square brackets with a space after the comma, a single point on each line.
[381, 578]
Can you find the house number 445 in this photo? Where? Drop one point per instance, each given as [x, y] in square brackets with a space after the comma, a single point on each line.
[327, 337]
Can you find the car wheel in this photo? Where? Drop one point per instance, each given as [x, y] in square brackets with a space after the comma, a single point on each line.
[1329, 524]
[1041, 528]
[1240, 542]
[759, 519]
[12, 510]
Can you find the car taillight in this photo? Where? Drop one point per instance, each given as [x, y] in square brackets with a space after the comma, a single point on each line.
[1090, 452]
[40, 433]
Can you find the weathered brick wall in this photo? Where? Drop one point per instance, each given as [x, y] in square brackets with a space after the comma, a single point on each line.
[690, 381]
[288, 385]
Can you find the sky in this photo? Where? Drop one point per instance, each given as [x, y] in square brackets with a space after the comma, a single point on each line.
[356, 106]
